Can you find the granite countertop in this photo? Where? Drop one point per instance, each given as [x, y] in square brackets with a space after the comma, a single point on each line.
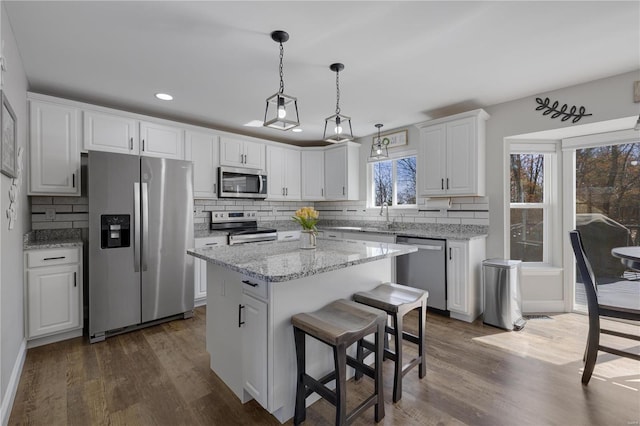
[52, 238]
[285, 261]
[421, 230]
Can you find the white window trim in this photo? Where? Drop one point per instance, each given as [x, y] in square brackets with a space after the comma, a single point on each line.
[370, 190]
[550, 204]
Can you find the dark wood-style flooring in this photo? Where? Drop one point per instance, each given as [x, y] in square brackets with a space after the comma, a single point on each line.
[476, 375]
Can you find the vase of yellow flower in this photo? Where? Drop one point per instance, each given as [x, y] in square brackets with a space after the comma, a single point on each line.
[307, 217]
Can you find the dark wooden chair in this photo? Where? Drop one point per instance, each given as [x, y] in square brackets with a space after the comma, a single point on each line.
[339, 324]
[622, 304]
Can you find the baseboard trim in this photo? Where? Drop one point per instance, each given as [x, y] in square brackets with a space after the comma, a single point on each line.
[14, 381]
[200, 302]
[540, 306]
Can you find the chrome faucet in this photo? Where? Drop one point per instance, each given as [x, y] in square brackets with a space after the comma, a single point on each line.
[382, 209]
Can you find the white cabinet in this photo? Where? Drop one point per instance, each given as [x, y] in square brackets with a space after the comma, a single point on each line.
[283, 171]
[242, 153]
[341, 172]
[288, 235]
[237, 309]
[159, 140]
[202, 149]
[200, 268]
[54, 161]
[452, 155]
[254, 348]
[53, 292]
[110, 132]
[312, 171]
[464, 291]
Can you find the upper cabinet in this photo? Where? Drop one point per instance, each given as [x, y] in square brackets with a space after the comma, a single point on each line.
[452, 155]
[283, 171]
[104, 131]
[159, 140]
[110, 132]
[242, 153]
[341, 172]
[201, 148]
[312, 175]
[54, 162]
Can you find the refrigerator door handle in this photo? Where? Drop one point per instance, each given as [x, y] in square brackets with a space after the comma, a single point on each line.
[136, 226]
[145, 224]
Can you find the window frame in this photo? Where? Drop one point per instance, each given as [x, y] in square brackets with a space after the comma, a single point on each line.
[549, 204]
[394, 157]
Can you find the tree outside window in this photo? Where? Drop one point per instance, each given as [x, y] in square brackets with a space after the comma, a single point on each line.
[394, 182]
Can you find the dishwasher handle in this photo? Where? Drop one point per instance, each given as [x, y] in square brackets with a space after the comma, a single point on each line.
[422, 246]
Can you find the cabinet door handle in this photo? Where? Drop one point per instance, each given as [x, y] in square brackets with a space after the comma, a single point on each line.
[287, 191]
[131, 144]
[73, 180]
[447, 183]
[240, 322]
[215, 188]
[54, 258]
[450, 255]
[343, 190]
[211, 244]
[442, 184]
[283, 191]
[143, 144]
[288, 236]
[74, 280]
[250, 283]
[322, 192]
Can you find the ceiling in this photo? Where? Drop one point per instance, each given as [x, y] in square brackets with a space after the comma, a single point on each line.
[405, 62]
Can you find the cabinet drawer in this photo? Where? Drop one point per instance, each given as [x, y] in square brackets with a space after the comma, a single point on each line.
[49, 257]
[254, 287]
[210, 242]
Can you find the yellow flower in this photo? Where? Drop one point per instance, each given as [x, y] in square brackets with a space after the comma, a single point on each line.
[307, 217]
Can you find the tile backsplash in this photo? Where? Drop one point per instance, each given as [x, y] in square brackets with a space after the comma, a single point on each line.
[72, 212]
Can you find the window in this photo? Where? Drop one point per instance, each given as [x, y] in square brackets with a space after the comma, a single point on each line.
[393, 182]
[531, 175]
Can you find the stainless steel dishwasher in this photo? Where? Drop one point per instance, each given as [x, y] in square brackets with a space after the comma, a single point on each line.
[425, 269]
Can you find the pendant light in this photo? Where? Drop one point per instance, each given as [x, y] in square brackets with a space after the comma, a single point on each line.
[282, 109]
[379, 148]
[337, 123]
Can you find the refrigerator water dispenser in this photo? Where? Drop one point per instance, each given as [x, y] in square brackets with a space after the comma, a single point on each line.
[115, 230]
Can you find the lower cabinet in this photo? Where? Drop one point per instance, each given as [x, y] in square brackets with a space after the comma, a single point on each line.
[200, 268]
[288, 235]
[53, 293]
[464, 290]
[238, 310]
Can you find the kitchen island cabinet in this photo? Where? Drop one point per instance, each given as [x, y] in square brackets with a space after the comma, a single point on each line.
[252, 292]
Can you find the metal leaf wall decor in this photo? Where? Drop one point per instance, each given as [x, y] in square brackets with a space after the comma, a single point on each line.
[564, 111]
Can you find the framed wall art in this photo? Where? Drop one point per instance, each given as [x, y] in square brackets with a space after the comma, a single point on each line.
[393, 139]
[8, 150]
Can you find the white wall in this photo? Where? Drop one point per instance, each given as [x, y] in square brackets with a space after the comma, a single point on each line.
[11, 269]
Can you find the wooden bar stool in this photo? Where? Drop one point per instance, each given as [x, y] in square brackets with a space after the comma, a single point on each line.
[339, 324]
[397, 300]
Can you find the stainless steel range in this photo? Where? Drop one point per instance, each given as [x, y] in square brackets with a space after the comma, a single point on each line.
[242, 227]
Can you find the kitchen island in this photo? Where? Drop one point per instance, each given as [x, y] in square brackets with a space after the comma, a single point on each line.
[252, 292]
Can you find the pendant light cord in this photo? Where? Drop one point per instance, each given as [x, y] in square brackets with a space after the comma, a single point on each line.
[281, 69]
[337, 92]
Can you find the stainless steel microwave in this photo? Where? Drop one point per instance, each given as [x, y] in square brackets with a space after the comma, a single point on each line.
[234, 182]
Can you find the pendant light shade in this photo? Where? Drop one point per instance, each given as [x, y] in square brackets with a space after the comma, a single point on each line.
[337, 128]
[379, 148]
[282, 110]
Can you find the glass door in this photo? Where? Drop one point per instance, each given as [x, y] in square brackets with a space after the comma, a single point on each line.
[607, 206]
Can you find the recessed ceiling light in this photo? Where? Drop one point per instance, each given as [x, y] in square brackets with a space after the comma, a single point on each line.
[253, 123]
[297, 130]
[164, 96]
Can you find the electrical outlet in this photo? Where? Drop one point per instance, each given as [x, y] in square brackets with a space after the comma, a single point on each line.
[50, 214]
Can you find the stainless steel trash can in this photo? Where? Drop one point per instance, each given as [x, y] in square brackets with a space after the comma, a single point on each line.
[502, 297]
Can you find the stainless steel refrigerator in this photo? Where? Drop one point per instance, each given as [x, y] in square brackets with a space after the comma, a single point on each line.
[140, 227]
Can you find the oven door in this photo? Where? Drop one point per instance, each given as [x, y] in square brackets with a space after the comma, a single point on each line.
[241, 183]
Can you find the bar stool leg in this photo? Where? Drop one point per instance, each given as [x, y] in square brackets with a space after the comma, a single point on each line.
[340, 360]
[360, 358]
[397, 377]
[422, 319]
[379, 359]
[300, 413]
